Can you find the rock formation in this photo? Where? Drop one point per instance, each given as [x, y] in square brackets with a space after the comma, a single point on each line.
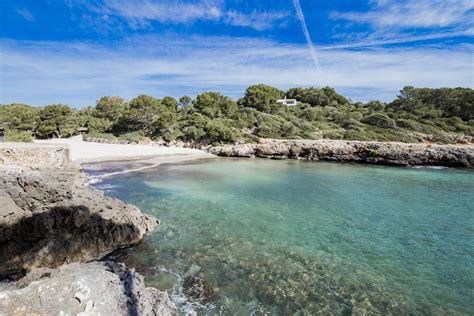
[51, 218]
[388, 153]
[96, 288]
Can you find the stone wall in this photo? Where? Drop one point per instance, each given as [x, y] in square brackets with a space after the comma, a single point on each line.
[34, 155]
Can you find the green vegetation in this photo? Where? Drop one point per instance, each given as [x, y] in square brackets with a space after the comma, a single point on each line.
[417, 114]
[18, 136]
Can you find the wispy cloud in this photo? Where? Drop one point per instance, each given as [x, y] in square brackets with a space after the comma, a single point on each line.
[257, 20]
[414, 13]
[141, 13]
[79, 73]
[26, 14]
[174, 12]
[403, 22]
[396, 38]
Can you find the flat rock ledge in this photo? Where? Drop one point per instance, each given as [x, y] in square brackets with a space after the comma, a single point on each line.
[386, 153]
[96, 288]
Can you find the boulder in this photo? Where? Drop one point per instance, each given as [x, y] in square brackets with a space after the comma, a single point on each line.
[49, 218]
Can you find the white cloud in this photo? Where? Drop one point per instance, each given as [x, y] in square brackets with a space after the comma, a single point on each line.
[170, 12]
[414, 13]
[140, 13]
[79, 73]
[26, 15]
[257, 20]
[395, 38]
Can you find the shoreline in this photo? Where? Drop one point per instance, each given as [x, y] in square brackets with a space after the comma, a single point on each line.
[383, 153]
[65, 181]
[368, 152]
[71, 228]
[154, 162]
[82, 152]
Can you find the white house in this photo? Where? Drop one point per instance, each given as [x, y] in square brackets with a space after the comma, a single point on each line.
[288, 102]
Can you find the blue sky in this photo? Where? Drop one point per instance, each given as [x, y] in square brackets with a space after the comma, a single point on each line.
[74, 51]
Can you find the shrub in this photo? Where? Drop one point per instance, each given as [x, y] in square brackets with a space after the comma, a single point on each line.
[357, 135]
[312, 114]
[135, 137]
[379, 120]
[18, 136]
[333, 134]
[95, 134]
[219, 132]
[408, 124]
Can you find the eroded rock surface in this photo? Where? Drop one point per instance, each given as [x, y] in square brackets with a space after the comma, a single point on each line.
[49, 218]
[388, 153]
[96, 288]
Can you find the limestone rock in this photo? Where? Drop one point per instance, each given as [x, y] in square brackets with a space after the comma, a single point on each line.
[387, 153]
[49, 218]
[96, 288]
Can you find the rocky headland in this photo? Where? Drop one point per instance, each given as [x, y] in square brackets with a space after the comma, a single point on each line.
[50, 220]
[386, 153]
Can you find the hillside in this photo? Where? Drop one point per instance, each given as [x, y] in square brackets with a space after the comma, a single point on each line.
[444, 115]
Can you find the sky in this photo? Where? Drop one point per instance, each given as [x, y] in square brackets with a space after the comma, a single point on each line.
[75, 51]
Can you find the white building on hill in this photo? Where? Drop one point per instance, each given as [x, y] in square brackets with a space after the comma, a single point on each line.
[288, 102]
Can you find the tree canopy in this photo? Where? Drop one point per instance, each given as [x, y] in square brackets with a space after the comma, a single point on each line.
[417, 114]
[261, 97]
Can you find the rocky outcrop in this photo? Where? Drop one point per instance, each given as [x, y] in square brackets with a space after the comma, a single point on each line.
[96, 288]
[388, 153]
[50, 218]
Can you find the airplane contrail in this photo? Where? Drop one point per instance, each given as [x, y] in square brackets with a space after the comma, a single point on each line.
[311, 48]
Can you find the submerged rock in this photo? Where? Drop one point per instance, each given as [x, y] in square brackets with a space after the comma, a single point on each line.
[96, 288]
[387, 153]
[51, 217]
[198, 289]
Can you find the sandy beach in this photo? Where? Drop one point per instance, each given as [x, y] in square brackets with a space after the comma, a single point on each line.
[87, 152]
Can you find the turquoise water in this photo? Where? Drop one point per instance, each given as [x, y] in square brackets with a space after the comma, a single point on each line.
[280, 237]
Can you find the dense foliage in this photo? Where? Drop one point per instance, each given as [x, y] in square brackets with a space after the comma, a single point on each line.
[417, 114]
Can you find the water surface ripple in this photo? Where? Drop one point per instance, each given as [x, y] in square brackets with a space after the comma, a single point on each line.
[279, 237]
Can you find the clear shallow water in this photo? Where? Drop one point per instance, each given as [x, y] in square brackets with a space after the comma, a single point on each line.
[287, 236]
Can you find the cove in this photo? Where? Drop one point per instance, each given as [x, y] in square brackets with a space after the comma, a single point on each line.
[280, 237]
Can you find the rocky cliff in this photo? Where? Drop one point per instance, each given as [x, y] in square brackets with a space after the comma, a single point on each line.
[49, 218]
[388, 153]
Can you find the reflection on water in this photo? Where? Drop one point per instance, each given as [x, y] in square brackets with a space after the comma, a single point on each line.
[278, 237]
